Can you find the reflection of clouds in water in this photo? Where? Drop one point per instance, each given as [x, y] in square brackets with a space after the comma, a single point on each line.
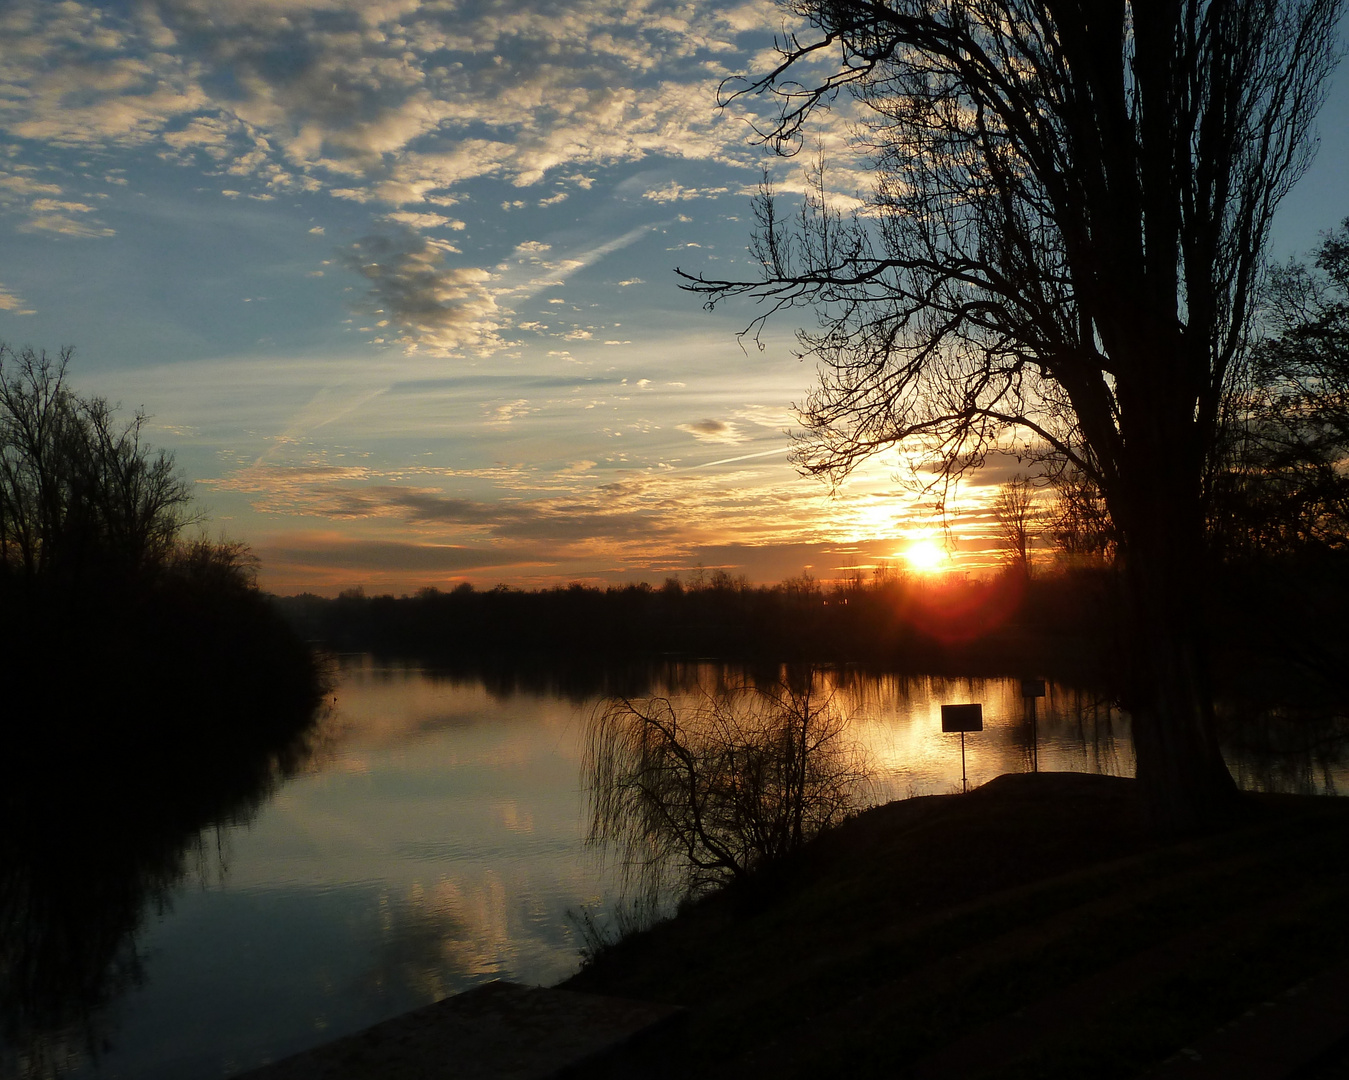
[456, 932]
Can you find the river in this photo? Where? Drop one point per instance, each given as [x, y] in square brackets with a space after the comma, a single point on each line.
[434, 840]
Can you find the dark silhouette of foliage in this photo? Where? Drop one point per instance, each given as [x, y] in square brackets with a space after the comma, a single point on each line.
[102, 592]
[697, 796]
[894, 621]
[82, 499]
[1080, 524]
[1016, 512]
[1286, 489]
[1062, 247]
[151, 691]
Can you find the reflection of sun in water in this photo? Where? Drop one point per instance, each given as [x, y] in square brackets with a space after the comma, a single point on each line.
[927, 557]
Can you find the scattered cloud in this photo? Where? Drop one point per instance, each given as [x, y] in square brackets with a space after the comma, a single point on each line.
[424, 221]
[300, 554]
[508, 411]
[443, 310]
[13, 304]
[674, 192]
[715, 431]
[57, 216]
[397, 102]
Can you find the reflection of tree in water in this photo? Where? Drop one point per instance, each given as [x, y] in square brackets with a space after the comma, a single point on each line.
[1090, 723]
[104, 808]
[582, 680]
[1286, 750]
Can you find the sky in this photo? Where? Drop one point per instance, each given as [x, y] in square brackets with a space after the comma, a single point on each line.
[395, 282]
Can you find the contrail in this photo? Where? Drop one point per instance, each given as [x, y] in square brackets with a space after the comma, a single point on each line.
[729, 460]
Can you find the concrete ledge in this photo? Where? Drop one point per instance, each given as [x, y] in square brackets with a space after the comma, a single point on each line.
[507, 1031]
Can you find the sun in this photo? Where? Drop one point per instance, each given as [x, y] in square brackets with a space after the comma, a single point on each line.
[927, 557]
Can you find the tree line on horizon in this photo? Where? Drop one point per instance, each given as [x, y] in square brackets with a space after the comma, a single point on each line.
[885, 617]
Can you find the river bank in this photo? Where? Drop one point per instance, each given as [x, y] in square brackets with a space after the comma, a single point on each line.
[1029, 928]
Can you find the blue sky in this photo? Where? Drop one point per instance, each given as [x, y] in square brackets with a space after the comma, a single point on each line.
[394, 281]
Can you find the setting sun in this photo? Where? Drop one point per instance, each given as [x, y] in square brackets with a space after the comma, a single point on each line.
[927, 556]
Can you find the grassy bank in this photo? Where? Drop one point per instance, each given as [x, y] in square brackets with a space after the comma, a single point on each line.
[1030, 928]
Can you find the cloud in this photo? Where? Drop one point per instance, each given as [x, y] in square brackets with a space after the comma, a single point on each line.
[317, 551]
[715, 431]
[443, 310]
[23, 193]
[674, 192]
[343, 493]
[56, 217]
[13, 304]
[455, 311]
[394, 102]
[395, 105]
[505, 413]
[553, 520]
[424, 221]
[12, 184]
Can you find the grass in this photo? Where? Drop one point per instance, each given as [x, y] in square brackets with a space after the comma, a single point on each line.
[1030, 928]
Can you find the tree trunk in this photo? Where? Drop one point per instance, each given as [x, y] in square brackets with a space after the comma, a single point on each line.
[1185, 783]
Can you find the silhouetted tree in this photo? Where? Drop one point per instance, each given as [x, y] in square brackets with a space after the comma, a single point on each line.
[81, 496]
[1286, 490]
[1062, 246]
[102, 593]
[1080, 525]
[699, 795]
[1015, 511]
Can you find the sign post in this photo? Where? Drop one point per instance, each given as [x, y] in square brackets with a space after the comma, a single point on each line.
[962, 718]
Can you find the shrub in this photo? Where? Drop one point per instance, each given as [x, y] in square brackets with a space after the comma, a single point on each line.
[695, 796]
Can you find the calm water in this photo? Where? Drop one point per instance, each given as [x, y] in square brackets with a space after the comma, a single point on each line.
[434, 842]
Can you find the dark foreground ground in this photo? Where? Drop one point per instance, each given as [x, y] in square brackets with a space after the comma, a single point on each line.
[1028, 929]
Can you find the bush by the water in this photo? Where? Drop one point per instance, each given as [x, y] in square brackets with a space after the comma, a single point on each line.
[697, 794]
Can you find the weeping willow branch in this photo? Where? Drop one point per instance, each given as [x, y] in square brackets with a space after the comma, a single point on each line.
[691, 797]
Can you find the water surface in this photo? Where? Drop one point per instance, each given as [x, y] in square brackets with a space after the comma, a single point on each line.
[435, 841]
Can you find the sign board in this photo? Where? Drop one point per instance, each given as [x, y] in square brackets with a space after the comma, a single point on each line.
[962, 718]
[1032, 688]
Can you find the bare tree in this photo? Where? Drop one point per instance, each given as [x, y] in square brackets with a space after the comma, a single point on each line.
[1015, 510]
[699, 795]
[81, 495]
[1080, 524]
[1071, 202]
[1285, 488]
